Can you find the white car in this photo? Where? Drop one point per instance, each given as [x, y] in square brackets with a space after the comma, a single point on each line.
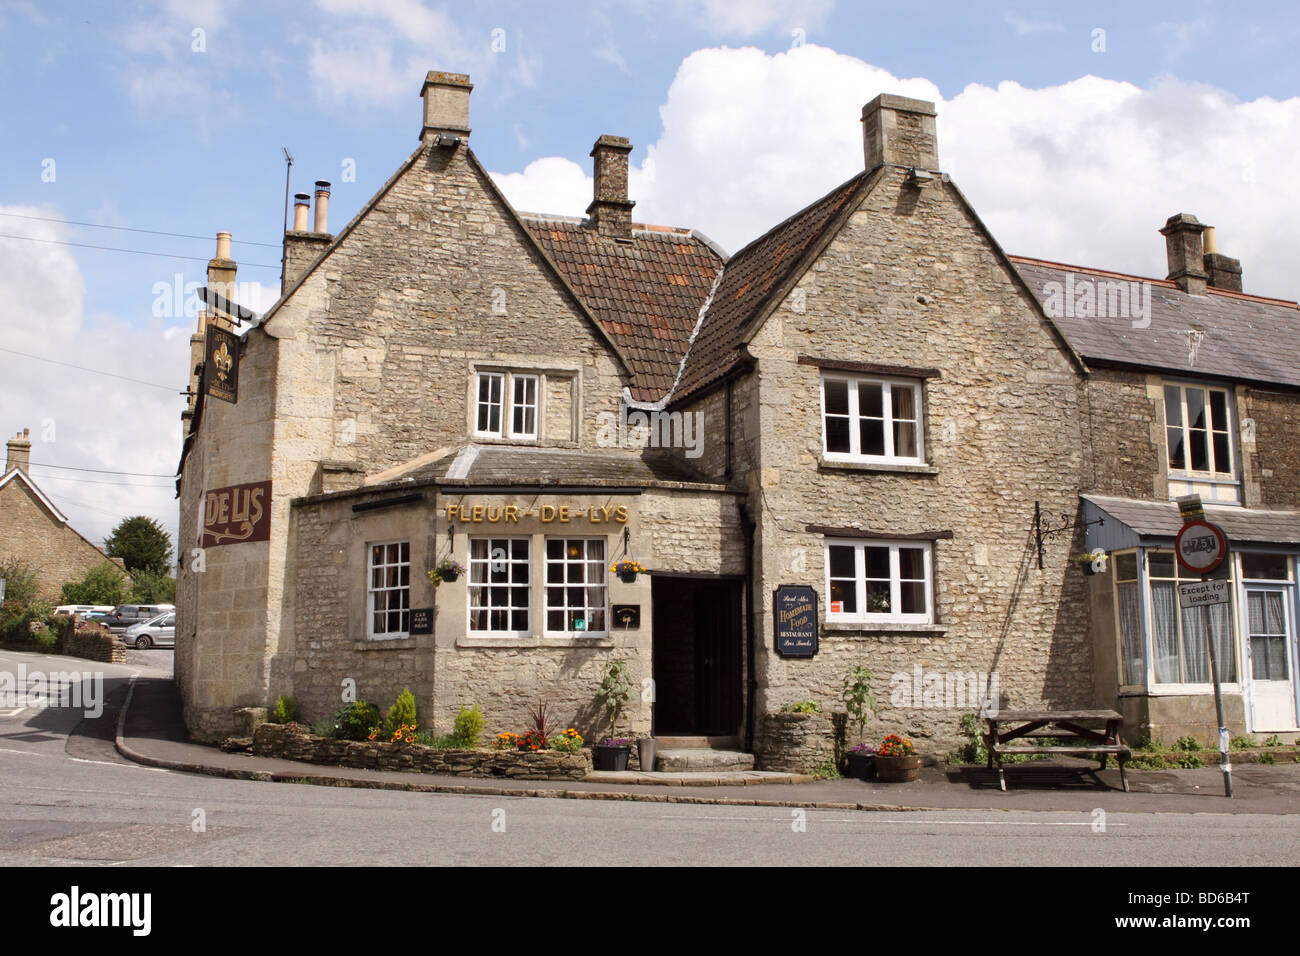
[158, 631]
[67, 610]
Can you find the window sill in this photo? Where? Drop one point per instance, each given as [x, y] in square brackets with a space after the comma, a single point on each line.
[385, 644]
[884, 627]
[1190, 690]
[825, 464]
[533, 641]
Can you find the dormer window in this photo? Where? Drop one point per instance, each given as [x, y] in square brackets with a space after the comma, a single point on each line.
[871, 420]
[507, 405]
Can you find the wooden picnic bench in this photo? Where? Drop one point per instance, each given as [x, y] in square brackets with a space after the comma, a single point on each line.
[1027, 726]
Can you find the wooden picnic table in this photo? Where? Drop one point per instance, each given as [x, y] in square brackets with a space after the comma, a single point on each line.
[1027, 726]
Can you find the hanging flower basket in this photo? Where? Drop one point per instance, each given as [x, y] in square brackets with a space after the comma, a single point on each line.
[1092, 562]
[447, 570]
[627, 570]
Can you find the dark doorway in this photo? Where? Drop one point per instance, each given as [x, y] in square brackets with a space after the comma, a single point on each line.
[697, 656]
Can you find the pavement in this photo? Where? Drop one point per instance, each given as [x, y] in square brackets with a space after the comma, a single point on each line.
[150, 731]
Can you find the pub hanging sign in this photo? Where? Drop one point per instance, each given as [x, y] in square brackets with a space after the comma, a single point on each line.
[237, 514]
[221, 364]
[795, 616]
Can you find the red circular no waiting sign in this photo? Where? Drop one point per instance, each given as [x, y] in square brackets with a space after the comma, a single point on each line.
[1201, 547]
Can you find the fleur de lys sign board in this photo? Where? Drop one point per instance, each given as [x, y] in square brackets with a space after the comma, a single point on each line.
[237, 514]
[221, 364]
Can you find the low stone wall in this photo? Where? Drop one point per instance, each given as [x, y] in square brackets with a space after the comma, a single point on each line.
[93, 643]
[795, 743]
[288, 742]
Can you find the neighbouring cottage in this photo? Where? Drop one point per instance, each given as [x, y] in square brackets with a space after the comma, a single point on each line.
[34, 530]
[830, 449]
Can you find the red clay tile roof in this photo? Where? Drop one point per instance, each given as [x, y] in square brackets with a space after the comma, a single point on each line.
[646, 293]
[752, 275]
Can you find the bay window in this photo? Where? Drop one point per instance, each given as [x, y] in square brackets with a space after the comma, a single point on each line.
[499, 586]
[576, 586]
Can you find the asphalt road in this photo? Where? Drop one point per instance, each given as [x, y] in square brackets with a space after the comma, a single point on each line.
[67, 797]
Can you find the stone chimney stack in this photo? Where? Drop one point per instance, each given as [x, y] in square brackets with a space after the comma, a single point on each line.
[301, 247]
[898, 131]
[221, 277]
[1221, 271]
[1183, 243]
[446, 107]
[221, 281]
[19, 452]
[610, 209]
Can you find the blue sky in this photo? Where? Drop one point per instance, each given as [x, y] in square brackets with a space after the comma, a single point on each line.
[170, 116]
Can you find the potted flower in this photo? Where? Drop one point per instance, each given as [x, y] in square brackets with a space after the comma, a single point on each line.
[627, 570]
[861, 759]
[447, 570]
[860, 706]
[1092, 562]
[896, 760]
[615, 689]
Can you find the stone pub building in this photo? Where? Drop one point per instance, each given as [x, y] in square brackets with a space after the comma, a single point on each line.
[871, 402]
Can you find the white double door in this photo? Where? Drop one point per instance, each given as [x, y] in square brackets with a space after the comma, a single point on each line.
[1270, 658]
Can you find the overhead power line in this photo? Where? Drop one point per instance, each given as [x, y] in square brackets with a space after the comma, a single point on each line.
[137, 252]
[151, 232]
[96, 481]
[103, 471]
[93, 371]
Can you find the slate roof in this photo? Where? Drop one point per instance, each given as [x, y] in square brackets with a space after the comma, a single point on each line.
[476, 464]
[752, 276]
[1161, 519]
[1244, 337]
[646, 293]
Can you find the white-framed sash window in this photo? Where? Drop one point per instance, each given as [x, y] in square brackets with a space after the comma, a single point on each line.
[879, 581]
[871, 420]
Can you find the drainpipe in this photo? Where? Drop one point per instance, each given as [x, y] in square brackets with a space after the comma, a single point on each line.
[748, 526]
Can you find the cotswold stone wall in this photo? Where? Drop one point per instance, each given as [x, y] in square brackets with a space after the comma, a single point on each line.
[911, 281]
[30, 533]
[795, 743]
[1125, 436]
[285, 742]
[1275, 453]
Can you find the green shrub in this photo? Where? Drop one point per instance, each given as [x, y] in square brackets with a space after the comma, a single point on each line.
[1274, 741]
[325, 728]
[1188, 743]
[103, 584]
[401, 714]
[468, 728]
[1240, 742]
[354, 721]
[826, 770]
[286, 710]
[802, 707]
[973, 750]
[1268, 758]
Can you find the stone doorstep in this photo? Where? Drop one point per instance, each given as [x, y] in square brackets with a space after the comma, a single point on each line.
[688, 778]
[702, 759]
[692, 743]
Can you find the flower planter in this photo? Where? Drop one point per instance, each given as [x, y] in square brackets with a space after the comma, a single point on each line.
[861, 766]
[606, 757]
[628, 578]
[898, 769]
[646, 749]
[449, 576]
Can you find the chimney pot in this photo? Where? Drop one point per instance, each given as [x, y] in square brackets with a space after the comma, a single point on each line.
[300, 204]
[18, 452]
[1186, 254]
[446, 105]
[899, 131]
[610, 209]
[322, 206]
[223, 245]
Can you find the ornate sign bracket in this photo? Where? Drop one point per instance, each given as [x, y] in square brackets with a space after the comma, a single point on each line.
[1047, 525]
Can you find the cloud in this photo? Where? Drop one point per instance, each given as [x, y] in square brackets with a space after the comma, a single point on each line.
[747, 18]
[78, 418]
[378, 51]
[1025, 25]
[166, 66]
[1085, 172]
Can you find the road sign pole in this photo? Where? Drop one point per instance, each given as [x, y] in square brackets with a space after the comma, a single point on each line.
[1224, 765]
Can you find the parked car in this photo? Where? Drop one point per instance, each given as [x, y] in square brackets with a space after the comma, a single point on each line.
[67, 610]
[125, 615]
[158, 631]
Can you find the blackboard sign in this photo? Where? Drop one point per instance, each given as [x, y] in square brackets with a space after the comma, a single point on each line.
[421, 620]
[795, 615]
